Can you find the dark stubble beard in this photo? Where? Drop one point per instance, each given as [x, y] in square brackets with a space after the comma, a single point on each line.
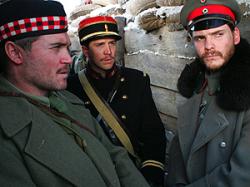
[226, 58]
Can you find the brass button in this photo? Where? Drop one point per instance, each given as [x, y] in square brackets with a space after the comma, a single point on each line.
[124, 97]
[122, 79]
[124, 116]
[223, 144]
[87, 102]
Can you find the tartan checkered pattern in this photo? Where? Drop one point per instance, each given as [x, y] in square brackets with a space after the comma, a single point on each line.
[32, 25]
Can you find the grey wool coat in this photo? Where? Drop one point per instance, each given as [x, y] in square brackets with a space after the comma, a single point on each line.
[216, 152]
[36, 151]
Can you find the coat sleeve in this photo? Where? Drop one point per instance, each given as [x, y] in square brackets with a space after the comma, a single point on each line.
[13, 171]
[128, 174]
[152, 137]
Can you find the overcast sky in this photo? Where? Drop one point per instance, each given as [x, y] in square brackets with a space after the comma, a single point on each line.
[69, 5]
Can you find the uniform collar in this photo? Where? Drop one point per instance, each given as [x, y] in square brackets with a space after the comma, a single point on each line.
[213, 82]
[104, 75]
[12, 104]
[234, 92]
[24, 115]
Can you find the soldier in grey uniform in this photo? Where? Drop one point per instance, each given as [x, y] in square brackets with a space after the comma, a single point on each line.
[211, 148]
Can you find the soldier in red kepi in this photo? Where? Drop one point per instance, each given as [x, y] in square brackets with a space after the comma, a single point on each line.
[120, 98]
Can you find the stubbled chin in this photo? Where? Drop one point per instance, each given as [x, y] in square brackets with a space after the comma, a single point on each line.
[62, 85]
[63, 75]
[107, 66]
[212, 66]
[213, 63]
[62, 80]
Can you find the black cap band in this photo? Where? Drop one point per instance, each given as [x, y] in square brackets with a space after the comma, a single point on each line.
[209, 21]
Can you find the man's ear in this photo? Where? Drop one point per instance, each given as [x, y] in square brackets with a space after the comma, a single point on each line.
[14, 52]
[236, 34]
[85, 51]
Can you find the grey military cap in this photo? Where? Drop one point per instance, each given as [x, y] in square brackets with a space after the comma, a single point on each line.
[201, 10]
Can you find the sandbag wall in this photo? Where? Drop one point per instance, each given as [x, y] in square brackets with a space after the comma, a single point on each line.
[155, 43]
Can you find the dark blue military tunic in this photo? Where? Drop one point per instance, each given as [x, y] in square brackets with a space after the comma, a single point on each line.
[134, 106]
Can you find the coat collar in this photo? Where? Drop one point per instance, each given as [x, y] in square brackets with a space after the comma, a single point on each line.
[234, 91]
[188, 123]
[24, 115]
[22, 119]
[103, 74]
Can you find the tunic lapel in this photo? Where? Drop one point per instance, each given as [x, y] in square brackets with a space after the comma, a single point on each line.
[213, 123]
[187, 123]
[49, 145]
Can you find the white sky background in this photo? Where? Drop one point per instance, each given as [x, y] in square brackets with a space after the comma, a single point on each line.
[69, 5]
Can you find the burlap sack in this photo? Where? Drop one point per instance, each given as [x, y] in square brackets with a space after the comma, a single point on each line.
[134, 7]
[150, 21]
[155, 18]
[83, 10]
[172, 27]
[172, 14]
[104, 2]
[108, 11]
[169, 2]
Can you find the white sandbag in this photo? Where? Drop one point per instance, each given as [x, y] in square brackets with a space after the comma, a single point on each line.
[104, 2]
[83, 10]
[169, 2]
[122, 2]
[134, 7]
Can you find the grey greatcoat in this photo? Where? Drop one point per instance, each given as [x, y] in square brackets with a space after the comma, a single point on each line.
[36, 151]
[214, 153]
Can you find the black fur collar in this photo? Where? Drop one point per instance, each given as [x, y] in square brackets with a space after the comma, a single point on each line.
[234, 91]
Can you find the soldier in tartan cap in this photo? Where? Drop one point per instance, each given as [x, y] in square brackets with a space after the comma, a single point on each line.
[47, 137]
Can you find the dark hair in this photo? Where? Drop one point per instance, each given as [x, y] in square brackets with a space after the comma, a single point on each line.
[3, 58]
[24, 43]
[231, 26]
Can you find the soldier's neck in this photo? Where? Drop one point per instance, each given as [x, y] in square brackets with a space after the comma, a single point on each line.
[96, 72]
